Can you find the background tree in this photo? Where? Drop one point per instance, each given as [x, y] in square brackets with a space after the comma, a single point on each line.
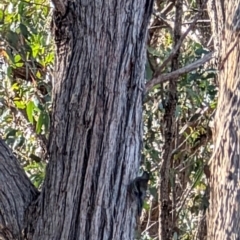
[223, 219]
[177, 110]
[177, 116]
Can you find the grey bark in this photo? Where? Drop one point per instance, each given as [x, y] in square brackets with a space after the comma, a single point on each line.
[16, 194]
[96, 127]
[224, 216]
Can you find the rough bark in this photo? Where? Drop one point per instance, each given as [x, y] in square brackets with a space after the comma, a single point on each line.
[224, 214]
[96, 131]
[16, 194]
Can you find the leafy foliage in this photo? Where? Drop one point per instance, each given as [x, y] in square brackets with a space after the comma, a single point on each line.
[27, 56]
[196, 102]
[26, 61]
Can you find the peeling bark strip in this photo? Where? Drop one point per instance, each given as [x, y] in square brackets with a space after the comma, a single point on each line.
[224, 214]
[96, 129]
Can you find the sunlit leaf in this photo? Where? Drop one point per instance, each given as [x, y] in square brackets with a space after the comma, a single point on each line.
[15, 86]
[29, 109]
[20, 104]
[39, 123]
[19, 64]
[1, 15]
[17, 58]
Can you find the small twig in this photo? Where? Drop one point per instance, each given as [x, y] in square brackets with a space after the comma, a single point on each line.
[149, 215]
[176, 48]
[175, 74]
[149, 227]
[186, 194]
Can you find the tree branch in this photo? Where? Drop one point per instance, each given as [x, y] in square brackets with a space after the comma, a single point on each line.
[16, 193]
[179, 43]
[175, 74]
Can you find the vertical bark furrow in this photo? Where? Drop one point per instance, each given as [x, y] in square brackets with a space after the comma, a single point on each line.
[223, 217]
[95, 141]
[16, 194]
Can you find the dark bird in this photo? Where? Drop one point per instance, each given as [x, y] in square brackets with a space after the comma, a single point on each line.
[138, 188]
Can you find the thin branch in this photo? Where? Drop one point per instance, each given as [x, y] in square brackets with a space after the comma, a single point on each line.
[179, 43]
[175, 74]
[186, 193]
[175, 50]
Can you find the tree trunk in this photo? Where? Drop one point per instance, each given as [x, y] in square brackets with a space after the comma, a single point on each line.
[96, 127]
[224, 214]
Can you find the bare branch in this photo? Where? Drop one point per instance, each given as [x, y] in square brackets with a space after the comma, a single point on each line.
[175, 74]
[179, 43]
[175, 50]
[16, 193]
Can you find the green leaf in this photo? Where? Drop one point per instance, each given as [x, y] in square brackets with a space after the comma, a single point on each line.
[46, 121]
[21, 6]
[19, 104]
[15, 86]
[30, 108]
[17, 58]
[1, 16]
[35, 50]
[148, 71]
[19, 64]
[39, 123]
[13, 38]
[49, 58]
[38, 75]
[24, 30]
[10, 133]
[10, 55]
